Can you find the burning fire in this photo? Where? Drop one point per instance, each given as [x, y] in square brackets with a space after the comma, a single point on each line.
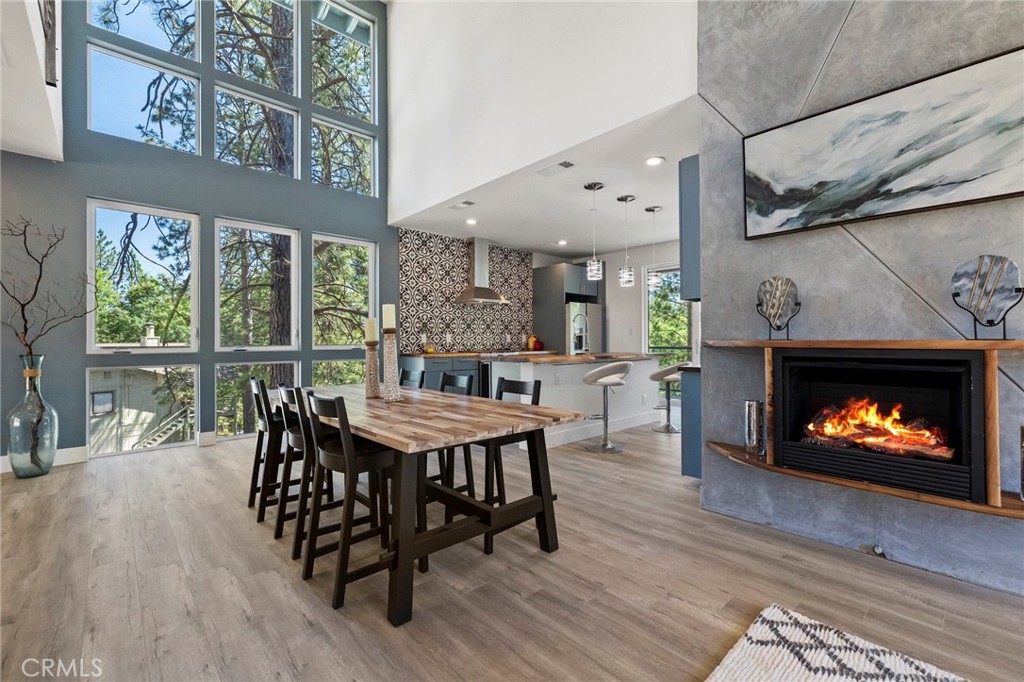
[861, 423]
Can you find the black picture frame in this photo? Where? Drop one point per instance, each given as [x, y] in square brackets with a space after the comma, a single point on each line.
[950, 121]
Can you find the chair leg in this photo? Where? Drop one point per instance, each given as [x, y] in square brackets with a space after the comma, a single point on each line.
[282, 495]
[330, 486]
[489, 458]
[467, 456]
[449, 480]
[499, 475]
[314, 523]
[605, 446]
[306, 488]
[345, 541]
[254, 486]
[385, 515]
[271, 467]
[421, 503]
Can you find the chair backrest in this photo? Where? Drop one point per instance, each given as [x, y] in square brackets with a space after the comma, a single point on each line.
[291, 420]
[619, 369]
[669, 374]
[298, 399]
[261, 398]
[513, 387]
[331, 407]
[413, 378]
[457, 383]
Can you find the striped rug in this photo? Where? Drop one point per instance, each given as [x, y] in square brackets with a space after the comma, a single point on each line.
[785, 646]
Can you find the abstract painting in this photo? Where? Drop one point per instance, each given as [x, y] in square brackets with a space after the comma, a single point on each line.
[952, 139]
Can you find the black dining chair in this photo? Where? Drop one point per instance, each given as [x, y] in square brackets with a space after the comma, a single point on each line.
[351, 456]
[269, 436]
[412, 378]
[494, 471]
[460, 385]
[298, 447]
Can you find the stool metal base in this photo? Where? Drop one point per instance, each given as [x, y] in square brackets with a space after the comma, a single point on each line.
[605, 447]
[666, 428]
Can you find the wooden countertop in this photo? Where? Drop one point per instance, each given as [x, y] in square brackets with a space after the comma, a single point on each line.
[467, 354]
[573, 359]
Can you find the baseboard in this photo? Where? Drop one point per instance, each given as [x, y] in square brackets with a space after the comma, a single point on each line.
[207, 438]
[64, 456]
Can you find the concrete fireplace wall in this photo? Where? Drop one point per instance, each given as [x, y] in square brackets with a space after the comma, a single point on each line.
[762, 64]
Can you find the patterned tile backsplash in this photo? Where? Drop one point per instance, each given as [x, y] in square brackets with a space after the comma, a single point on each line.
[434, 270]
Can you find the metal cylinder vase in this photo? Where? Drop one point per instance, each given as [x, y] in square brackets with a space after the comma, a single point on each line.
[753, 423]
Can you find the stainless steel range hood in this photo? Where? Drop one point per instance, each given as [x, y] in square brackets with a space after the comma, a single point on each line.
[479, 292]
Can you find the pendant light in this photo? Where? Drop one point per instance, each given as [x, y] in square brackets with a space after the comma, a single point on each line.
[595, 268]
[653, 277]
[626, 273]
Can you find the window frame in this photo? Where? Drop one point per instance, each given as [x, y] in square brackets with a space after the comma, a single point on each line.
[662, 268]
[280, 105]
[197, 49]
[93, 412]
[374, 80]
[139, 59]
[320, 120]
[220, 74]
[93, 203]
[371, 276]
[296, 372]
[90, 454]
[296, 300]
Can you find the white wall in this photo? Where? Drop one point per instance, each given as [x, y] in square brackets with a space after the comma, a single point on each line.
[624, 306]
[480, 89]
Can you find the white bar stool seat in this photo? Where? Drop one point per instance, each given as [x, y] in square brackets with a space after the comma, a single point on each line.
[606, 376]
[668, 376]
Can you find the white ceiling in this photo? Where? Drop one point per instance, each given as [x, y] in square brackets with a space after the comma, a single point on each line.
[530, 211]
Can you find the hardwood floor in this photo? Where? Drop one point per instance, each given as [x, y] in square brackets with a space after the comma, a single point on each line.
[153, 564]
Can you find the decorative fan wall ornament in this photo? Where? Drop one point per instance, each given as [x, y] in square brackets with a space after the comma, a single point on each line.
[777, 302]
[987, 287]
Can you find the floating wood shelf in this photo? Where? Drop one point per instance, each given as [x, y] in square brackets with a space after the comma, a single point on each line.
[1012, 507]
[908, 344]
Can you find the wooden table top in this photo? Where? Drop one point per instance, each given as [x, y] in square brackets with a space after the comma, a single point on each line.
[430, 420]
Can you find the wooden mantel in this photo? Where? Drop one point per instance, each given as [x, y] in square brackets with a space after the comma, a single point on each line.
[995, 498]
[885, 344]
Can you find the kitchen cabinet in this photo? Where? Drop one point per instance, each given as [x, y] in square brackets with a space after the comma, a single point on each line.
[689, 228]
[553, 287]
[433, 368]
[575, 282]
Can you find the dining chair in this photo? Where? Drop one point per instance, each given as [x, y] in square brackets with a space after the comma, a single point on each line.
[412, 378]
[297, 447]
[349, 455]
[461, 385]
[667, 376]
[606, 376]
[494, 470]
[269, 435]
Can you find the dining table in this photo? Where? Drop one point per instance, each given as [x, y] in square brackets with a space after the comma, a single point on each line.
[423, 421]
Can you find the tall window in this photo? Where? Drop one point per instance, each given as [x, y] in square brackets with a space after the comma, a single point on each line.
[153, 95]
[257, 295]
[236, 410]
[142, 259]
[338, 372]
[668, 319]
[343, 271]
[137, 408]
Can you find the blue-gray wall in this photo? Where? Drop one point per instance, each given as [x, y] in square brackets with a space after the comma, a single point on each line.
[98, 165]
[761, 65]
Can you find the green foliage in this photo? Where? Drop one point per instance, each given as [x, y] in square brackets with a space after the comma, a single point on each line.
[339, 372]
[235, 410]
[668, 322]
[341, 289]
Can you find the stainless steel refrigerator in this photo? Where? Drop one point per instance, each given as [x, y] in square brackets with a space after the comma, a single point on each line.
[584, 330]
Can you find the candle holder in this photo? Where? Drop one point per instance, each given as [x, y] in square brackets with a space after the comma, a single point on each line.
[372, 371]
[392, 394]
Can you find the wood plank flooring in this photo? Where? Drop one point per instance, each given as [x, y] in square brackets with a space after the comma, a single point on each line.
[153, 564]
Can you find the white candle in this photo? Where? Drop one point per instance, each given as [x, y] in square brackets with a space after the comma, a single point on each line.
[389, 316]
[371, 330]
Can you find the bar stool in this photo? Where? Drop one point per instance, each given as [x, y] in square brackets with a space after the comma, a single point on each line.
[606, 376]
[351, 456]
[494, 470]
[297, 447]
[269, 434]
[460, 385]
[667, 376]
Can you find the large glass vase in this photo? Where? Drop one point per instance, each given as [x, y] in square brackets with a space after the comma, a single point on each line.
[32, 426]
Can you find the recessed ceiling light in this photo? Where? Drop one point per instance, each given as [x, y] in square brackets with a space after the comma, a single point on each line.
[471, 221]
[562, 242]
[654, 160]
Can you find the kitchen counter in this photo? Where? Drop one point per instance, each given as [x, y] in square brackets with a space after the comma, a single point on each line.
[570, 359]
[479, 354]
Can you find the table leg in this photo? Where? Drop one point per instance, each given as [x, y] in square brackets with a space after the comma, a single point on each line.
[421, 503]
[541, 478]
[403, 531]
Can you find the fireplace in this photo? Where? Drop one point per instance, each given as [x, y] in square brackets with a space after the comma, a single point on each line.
[904, 419]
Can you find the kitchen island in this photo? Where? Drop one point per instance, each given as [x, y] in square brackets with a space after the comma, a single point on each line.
[562, 386]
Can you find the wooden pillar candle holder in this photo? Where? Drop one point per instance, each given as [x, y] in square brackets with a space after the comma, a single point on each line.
[392, 394]
[372, 371]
